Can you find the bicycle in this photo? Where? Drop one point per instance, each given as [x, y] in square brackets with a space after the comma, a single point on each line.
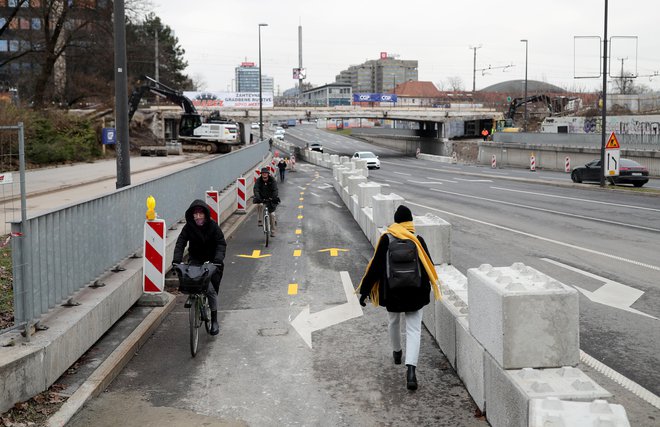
[194, 281]
[266, 219]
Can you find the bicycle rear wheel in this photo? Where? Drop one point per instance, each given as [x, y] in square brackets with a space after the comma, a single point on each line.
[193, 317]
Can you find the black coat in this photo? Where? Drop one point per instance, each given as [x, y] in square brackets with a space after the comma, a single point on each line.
[266, 190]
[205, 243]
[401, 301]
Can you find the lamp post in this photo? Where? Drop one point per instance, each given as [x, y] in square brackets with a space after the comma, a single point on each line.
[525, 98]
[261, 114]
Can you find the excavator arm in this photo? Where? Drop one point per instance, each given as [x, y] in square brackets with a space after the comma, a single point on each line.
[156, 87]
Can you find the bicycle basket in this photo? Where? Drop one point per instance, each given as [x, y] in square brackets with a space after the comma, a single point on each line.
[193, 279]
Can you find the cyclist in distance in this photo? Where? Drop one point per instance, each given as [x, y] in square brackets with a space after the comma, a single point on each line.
[265, 191]
[206, 243]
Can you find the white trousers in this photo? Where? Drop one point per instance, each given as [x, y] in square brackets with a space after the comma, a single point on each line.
[413, 333]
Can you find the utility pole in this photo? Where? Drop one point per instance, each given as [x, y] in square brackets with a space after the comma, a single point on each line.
[121, 98]
[300, 63]
[623, 80]
[474, 67]
[525, 98]
[156, 75]
[604, 111]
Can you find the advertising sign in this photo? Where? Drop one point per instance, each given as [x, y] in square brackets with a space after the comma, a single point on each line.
[374, 97]
[230, 99]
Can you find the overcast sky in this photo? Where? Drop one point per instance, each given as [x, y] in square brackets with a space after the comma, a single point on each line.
[218, 35]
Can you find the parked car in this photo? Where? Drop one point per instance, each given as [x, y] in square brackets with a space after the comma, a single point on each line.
[280, 129]
[316, 147]
[630, 172]
[371, 158]
[254, 126]
[279, 134]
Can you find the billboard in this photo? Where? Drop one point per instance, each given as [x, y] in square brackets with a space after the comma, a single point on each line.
[299, 73]
[374, 97]
[230, 99]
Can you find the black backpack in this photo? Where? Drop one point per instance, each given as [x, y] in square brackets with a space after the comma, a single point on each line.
[403, 269]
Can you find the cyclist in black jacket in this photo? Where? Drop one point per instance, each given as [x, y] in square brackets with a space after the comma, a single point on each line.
[206, 243]
[265, 191]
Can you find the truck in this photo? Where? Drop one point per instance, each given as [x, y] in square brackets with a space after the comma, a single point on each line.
[216, 135]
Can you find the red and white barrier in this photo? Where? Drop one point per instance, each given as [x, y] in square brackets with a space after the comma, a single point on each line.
[257, 174]
[153, 262]
[567, 165]
[493, 161]
[532, 163]
[213, 202]
[271, 167]
[241, 193]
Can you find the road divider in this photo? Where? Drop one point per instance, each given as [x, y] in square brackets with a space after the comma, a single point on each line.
[512, 333]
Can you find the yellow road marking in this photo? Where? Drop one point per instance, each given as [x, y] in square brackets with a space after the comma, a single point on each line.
[255, 254]
[334, 251]
[293, 288]
[297, 252]
[300, 217]
[300, 206]
[302, 192]
[301, 199]
[298, 231]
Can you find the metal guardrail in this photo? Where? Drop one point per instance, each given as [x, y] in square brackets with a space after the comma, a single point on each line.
[60, 251]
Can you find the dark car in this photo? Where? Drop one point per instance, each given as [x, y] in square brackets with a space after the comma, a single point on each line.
[316, 147]
[630, 172]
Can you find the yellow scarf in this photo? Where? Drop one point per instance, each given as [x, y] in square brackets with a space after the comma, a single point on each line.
[405, 230]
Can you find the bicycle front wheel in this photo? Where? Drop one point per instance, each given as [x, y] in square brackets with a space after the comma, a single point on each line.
[267, 228]
[193, 317]
[207, 310]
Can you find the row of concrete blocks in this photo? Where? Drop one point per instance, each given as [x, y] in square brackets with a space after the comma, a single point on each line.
[480, 334]
[522, 320]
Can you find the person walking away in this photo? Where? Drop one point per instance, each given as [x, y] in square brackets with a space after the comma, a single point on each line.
[281, 165]
[265, 191]
[400, 277]
[206, 243]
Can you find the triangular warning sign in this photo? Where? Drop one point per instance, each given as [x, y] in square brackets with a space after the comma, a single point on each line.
[612, 143]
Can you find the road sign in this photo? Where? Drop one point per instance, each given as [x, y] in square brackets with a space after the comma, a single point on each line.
[611, 162]
[109, 136]
[612, 143]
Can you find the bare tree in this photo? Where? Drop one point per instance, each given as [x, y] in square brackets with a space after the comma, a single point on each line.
[455, 83]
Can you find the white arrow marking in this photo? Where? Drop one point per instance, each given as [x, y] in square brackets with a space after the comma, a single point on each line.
[306, 323]
[612, 293]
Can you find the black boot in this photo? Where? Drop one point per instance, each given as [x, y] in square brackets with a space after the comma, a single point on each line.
[411, 379]
[215, 328]
[397, 356]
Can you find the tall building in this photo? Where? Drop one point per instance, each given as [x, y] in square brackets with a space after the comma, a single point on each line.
[379, 75]
[247, 79]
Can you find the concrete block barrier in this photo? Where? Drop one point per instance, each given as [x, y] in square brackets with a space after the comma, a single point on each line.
[437, 235]
[344, 159]
[366, 190]
[524, 318]
[353, 182]
[447, 311]
[334, 159]
[555, 412]
[384, 206]
[508, 392]
[470, 362]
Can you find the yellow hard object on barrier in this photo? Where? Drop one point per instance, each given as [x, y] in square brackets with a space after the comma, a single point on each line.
[151, 206]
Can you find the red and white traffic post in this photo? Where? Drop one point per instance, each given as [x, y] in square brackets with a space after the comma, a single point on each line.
[257, 174]
[567, 164]
[212, 198]
[241, 194]
[153, 262]
[493, 161]
[532, 163]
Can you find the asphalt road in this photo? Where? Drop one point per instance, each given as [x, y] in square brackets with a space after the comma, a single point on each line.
[604, 242]
[259, 370]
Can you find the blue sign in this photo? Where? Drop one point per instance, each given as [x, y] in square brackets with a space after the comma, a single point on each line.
[374, 97]
[109, 136]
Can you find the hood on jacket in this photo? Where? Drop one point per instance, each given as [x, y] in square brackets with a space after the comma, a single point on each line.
[197, 204]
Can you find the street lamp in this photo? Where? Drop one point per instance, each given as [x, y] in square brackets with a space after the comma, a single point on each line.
[261, 114]
[525, 98]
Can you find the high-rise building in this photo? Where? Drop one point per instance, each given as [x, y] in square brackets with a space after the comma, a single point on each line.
[247, 79]
[379, 75]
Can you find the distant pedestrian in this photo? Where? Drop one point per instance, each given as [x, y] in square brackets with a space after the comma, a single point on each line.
[400, 277]
[282, 167]
[484, 133]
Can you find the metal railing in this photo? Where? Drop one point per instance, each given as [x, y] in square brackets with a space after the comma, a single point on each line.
[62, 250]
